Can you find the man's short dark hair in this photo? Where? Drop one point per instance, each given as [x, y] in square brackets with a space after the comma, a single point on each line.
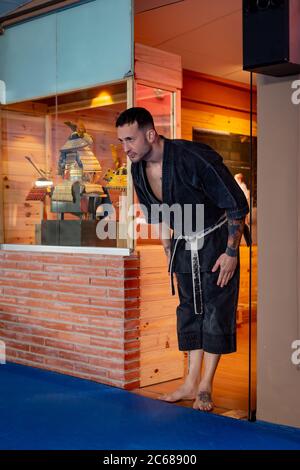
[139, 115]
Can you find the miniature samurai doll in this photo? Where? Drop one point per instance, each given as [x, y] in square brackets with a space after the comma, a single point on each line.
[80, 170]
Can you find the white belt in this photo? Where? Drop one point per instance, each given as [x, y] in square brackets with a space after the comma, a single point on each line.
[196, 271]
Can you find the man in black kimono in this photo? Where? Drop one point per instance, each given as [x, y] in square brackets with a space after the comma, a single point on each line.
[167, 172]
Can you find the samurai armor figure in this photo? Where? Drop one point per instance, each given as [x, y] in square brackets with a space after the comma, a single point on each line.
[63, 192]
[37, 194]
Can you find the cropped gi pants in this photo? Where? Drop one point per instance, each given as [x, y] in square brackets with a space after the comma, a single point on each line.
[215, 330]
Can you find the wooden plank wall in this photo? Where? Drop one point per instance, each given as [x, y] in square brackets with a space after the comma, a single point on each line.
[243, 303]
[211, 103]
[161, 68]
[22, 134]
[160, 359]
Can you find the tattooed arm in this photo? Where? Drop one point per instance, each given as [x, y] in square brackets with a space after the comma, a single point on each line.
[227, 262]
[235, 232]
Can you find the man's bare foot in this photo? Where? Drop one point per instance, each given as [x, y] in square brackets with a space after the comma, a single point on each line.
[203, 401]
[185, 392]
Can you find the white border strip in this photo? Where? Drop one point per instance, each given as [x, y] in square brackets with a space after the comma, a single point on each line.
[68, 249]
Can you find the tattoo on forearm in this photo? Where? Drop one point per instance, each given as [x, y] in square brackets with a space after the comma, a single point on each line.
[235, 232]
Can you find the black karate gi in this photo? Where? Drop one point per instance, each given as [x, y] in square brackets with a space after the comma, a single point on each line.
[193, 173]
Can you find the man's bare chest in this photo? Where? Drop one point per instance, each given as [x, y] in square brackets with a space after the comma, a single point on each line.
[154, 176]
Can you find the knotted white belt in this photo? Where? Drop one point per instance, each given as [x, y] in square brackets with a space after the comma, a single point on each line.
[196, 271]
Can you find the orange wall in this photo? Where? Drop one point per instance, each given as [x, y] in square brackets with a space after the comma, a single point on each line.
[212, 103]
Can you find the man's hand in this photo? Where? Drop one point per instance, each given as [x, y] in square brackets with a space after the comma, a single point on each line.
[227, 265]
[168, 253]
[227, 262]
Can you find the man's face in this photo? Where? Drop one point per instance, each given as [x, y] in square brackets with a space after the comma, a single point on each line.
[137, 143]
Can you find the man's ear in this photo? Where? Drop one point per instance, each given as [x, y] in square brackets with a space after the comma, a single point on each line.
[151, 135]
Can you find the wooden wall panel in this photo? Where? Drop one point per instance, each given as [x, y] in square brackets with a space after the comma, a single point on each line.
[154, 73]
[159, 355]
[22, 135]
[243, 303]
[207, 89]
[153, 56]
[212, 103]
[159, 366]
[159, 67]
[204, 118]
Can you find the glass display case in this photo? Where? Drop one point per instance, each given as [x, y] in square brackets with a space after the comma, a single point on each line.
[64, 173]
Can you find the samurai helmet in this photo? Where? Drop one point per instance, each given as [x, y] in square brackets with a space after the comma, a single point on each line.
[78, 138]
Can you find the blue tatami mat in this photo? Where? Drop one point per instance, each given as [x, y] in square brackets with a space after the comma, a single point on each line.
[45, 410]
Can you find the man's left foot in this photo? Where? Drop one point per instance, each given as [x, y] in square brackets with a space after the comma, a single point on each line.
[185, 392]
[203, 401]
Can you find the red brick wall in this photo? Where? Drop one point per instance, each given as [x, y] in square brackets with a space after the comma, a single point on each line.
[74, 314]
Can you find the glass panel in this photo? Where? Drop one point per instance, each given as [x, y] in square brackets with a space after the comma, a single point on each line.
[235, 150]
[63, 169]
[160, 104]
[74, 50]
[64, 173]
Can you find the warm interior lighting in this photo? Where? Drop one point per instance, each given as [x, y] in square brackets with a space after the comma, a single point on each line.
[104, 98]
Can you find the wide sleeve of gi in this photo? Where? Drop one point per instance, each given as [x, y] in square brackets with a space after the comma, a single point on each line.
[219, 185]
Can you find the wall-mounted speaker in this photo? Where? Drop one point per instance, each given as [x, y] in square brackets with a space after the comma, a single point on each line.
[271, 37]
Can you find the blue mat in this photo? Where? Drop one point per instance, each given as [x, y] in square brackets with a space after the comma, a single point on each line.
[46, 410]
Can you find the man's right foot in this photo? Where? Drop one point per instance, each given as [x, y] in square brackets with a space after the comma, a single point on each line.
[182, 393]
[203, 401]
